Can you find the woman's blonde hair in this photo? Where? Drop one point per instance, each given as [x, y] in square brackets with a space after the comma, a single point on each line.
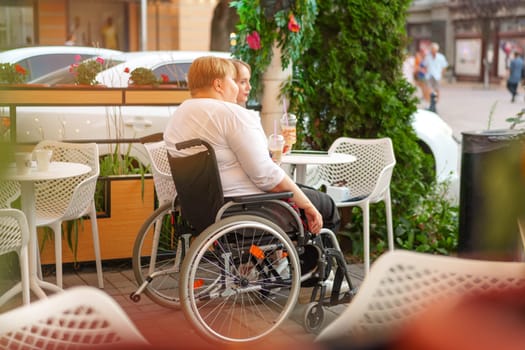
[238, 64]
[204, 70]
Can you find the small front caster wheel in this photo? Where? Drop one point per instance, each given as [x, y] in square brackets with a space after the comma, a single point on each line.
[134, 297]
[313, 317]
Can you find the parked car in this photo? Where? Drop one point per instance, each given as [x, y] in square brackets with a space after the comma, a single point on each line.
[75, 123]
[437, 138]
[108, 122]
[41, 60]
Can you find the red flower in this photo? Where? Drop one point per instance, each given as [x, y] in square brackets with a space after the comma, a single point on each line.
[100, 60]
[164, 78]
[293, 26]
[254, 41]
[126, 70]
[73, 68]
[20, 70]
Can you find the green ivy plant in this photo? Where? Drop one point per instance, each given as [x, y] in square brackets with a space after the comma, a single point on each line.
[288, 24]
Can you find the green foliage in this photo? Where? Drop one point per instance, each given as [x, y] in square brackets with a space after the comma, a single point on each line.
[12, 73]
[271, 23]
[143, 76]
[349, 83]
[86, 72]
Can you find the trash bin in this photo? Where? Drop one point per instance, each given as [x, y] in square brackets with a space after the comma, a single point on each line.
[492, 194]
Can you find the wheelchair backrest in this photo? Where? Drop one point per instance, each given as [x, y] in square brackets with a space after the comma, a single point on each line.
[198, 184]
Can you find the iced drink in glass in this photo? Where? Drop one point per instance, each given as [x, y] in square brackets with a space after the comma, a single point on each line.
[275, 146]
[288, 129]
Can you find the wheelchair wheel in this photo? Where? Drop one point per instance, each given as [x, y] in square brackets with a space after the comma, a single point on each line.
[240, 279]
[313, 317]
[157, 259]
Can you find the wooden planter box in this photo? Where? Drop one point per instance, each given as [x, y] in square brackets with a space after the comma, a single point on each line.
[118, 231]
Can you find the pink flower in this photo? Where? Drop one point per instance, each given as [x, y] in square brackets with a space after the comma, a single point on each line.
[126, 70]
[73, 68]
[100, 60]
[78, 58]
[293, 26]
[254, 40]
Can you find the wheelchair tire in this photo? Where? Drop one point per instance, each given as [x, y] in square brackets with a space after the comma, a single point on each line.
[155, 265]
[313, 317]
[240, 279]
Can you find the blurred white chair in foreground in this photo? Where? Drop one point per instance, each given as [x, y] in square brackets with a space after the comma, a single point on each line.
[402, 284]
[71, 198]
[367, 179]
[14, 237]
[78, 318]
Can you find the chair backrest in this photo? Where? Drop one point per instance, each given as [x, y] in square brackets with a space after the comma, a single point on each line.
[160, 166]
[70, 196]
[9, 192]
[14, 232]
[78, 318]
[402, 284]
[198, 184]
[370, 174]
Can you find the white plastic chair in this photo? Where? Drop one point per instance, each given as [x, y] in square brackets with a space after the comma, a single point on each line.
[9, 192]
[70, 198]
[402, 284]
[78, 318]
[368, 180]
[14, 237]
[164, 185]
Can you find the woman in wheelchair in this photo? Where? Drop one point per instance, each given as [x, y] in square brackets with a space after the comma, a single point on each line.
[240, 277]
[239, 141]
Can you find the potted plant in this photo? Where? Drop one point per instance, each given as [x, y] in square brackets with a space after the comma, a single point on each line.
[86, 72]
[142, 76]
[12, 73]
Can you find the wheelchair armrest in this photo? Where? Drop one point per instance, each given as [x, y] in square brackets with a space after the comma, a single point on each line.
[252, 198]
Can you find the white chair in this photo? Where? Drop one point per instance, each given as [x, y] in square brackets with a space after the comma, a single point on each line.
[402, 284]
[14, 237]
[9, 192]
[70, 198]
[164, 185]
[367, 179]
[78, 318]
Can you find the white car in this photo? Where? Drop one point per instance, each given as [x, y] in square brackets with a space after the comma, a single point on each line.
[437, 138]
[41, 60]
[108, 122]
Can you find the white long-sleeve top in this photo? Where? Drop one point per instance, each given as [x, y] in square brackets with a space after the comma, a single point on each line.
[237, 137]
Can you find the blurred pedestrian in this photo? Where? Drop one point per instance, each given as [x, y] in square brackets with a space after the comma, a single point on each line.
[436, 64]
[515, 75]
[419, 74]
[109, 35]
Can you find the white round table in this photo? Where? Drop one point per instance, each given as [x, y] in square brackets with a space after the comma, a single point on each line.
[57, 170]
[301, 160]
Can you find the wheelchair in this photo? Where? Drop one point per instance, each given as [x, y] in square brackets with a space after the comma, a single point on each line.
[235, 266]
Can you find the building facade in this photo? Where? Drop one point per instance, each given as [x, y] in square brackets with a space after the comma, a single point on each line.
[470, 53]
[171, 24]
[186, 25]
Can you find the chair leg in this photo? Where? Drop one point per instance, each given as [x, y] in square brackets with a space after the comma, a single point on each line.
[366, 237]
[96, 244]
[23, 257]
[57, 232]
[389, 225]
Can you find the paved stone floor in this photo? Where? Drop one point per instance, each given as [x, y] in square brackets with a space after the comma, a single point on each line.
[168, 329]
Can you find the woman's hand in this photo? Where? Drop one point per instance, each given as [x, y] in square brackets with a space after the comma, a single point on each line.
[314, 219]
